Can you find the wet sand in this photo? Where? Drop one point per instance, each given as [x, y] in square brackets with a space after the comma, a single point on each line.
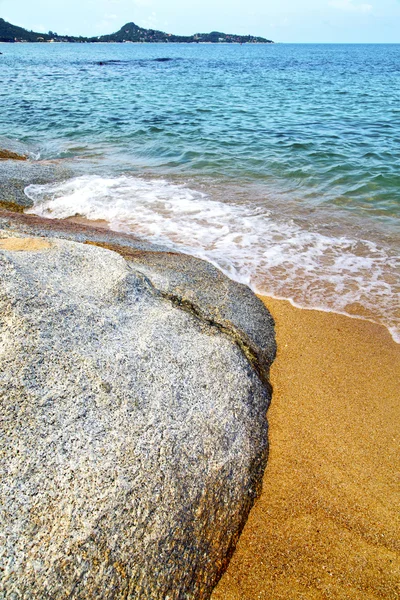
[327, 524]
[99, 223]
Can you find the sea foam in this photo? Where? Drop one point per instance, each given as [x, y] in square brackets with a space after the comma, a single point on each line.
[273, 255]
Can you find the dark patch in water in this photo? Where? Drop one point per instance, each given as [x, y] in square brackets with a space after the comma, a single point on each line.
[111, 62]
[103, 63]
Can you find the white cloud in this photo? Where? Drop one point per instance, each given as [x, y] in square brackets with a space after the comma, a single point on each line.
[350, 6]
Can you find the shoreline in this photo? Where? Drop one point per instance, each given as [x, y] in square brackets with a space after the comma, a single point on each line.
[326, 524]
[103, 224]
[320, 309]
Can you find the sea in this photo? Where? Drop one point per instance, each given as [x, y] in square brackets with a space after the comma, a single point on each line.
[278, 163]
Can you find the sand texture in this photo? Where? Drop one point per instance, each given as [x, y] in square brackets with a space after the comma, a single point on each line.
[327, 524]
[14, 244]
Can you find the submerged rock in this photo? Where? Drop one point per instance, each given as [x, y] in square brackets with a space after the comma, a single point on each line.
[14, 150]
[16, 176]
[133, 432]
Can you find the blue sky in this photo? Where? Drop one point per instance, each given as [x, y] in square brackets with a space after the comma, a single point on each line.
[283, 20]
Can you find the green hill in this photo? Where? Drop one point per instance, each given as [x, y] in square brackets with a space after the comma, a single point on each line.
[12, 33]
[133, 33]
[128, 33]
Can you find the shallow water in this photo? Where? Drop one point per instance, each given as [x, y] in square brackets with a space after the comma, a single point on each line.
[279, 163]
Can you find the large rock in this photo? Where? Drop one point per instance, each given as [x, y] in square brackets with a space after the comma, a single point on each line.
[133, 432]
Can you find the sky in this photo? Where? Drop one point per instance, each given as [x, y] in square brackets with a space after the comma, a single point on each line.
[293, 21]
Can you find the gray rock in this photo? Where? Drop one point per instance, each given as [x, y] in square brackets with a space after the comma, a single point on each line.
[200, 288]
[16, 175]
[133, 433]
[32, 225]
[191, 283]
[13, 150]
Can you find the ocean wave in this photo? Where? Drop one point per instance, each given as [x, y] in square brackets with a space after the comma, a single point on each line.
[272, 254]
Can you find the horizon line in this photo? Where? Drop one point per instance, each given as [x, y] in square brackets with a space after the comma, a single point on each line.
[193, 34]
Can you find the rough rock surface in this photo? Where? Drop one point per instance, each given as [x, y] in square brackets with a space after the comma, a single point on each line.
[13, 150]
[199, 287]
[27, 224]
[191, 283]
[16, 174]
[133, 433]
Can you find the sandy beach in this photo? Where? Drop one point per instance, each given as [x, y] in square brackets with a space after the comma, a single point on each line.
[327, 523]
[273, 164]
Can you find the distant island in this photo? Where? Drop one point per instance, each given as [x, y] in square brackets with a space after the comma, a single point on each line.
[128, 33]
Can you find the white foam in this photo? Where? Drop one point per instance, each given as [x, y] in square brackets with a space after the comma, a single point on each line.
[273, 255]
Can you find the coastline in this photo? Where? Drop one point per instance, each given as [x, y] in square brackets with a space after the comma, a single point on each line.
[326, 524]
[232, 178]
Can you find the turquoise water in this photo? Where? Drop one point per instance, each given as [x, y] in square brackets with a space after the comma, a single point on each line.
[279, 163]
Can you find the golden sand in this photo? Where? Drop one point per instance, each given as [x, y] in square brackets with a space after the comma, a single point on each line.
[327, 525]
[15, 244]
